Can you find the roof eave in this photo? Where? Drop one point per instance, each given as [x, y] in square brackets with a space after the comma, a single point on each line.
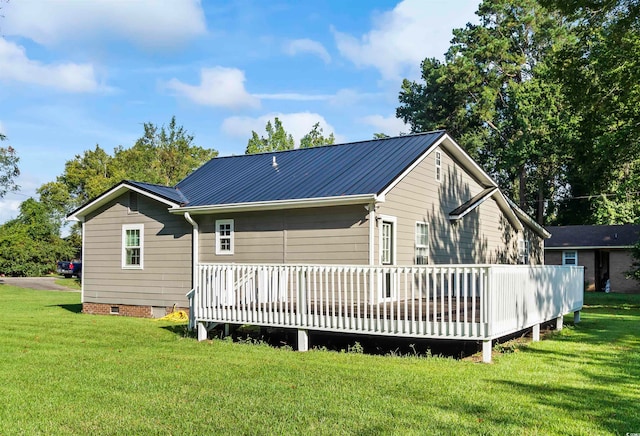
[113, 193]
[591, 247]
[281, 204]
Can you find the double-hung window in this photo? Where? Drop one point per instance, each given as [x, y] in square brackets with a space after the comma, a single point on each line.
[224, 237]
[132, 246]
[422, 243]
[523, 251]
[570, 257]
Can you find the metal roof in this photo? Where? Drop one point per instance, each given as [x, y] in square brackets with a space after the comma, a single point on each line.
[167, 192]
[593, 236]
[357, 168]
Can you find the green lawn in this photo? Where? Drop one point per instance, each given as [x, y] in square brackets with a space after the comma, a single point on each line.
[62, 372]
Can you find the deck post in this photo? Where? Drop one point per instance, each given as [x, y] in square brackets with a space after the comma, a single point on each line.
[576, 317]
[486, 351]
[303, 340]
[202, 331]
[559, 322]
[226, 330]
[535, 333]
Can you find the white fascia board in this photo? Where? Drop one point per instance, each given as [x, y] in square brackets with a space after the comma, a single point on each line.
[280, 204]
[115, 192]
[590, 247]
[449, 145]
[530, 221]
[474, 205]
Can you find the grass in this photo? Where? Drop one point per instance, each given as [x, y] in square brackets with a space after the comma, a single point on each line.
[62, 372]
[71, 283]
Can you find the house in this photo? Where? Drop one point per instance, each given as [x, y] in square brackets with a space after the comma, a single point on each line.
[272, 238]
[604, 251]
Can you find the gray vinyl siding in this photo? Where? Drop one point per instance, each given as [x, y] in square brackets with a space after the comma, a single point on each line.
[482, 236]
[328, 235]
[166, 276]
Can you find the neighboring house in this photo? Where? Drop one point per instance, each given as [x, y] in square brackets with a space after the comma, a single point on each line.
[408, 200]
[604, 251]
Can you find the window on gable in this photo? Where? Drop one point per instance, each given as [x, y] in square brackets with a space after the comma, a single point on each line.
[438, 166]
[523, 251]
[224, 237]
[570, 257]
[422, 243]
[132, 246]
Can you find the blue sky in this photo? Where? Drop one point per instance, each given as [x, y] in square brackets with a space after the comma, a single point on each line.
[76, 73]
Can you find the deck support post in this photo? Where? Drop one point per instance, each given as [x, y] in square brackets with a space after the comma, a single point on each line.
[576, 317]
[535, 333]
[226, 330]
[486, 351]
[203, 332]
[303, 340]
[559, 321]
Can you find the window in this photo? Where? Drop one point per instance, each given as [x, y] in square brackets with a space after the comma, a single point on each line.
[224, 237]
[438, 166]
[387, 243]
[422, 243]
[132, 246]
[570, 257]
[523, 251]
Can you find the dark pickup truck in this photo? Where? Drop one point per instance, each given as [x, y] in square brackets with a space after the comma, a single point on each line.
[70, 268]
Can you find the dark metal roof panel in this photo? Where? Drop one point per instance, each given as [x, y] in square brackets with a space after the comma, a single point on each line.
[166, 192]
[593, 236]
[365, 167]
[471, 202]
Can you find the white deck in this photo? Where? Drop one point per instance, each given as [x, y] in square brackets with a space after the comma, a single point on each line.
[460, 302]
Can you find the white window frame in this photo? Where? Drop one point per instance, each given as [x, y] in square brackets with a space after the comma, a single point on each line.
[394, 238]
[420, 246]
[140, 228]
[393, 253]
[523, 251]
[220, 238]
[574, 257]
[438, 165]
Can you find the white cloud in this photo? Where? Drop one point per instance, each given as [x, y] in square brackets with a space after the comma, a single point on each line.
[219, 86]
[401, 38]
[148, 23]
[391, 125]
[298, 46]
[297, 124]
[9, 209]
[293, 96]
[17, 67]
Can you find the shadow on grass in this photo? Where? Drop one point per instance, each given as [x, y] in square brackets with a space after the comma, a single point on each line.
[608, 394]
[74, 308]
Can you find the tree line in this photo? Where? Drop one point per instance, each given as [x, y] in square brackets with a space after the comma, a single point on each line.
[546, 96]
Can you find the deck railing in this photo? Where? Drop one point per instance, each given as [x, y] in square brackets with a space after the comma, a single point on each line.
[431, 301]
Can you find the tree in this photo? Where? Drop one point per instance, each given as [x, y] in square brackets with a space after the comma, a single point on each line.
[634, 272]
[380, 136]
[496, 95]
[30, 244]
[162, 155]
[277, 139]
[9, 170]
[599, 71]
[315, 138]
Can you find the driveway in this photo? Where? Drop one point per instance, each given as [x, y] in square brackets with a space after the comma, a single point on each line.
[40, 283]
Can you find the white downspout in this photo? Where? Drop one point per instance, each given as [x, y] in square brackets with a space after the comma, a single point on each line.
[195, 250]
